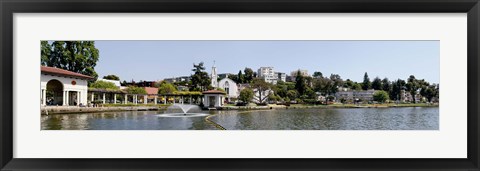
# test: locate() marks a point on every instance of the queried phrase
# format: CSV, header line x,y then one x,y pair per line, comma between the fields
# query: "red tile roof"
x,y
62,72
151,90
213,92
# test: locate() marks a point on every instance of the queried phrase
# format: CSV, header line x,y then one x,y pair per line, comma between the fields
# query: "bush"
x,y
299,100
262,104
246,95
310,101
380,96
103,85
136,90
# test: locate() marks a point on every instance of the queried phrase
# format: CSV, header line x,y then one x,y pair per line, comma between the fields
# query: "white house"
x,y
63,88
230,88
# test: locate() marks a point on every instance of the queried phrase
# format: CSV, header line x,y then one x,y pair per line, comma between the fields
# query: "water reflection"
x,y
128,120
408,118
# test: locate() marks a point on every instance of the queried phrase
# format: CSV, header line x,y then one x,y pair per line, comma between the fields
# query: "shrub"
x,y
246,95
380,96
103,85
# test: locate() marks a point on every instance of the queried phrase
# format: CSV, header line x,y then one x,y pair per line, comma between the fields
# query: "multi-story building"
x,y
354,95
268,74
281,76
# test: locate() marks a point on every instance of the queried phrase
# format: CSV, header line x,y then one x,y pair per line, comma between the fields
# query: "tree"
x,y
261,89
76,56
337,83
310,93
200,79
397,88
386,85
135,90
281,89
324,85
246,95
380,96
377,84
366,82
234,77
46,52
111,77
348,84
357,86
240,77
166,88
103,85
412,87
317,74
300,83
249,75
292,94
429,91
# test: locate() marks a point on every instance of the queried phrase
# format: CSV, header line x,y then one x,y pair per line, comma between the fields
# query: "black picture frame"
x,y
9,7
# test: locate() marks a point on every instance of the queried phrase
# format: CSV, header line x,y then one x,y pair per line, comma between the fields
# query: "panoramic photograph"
x,y
239,85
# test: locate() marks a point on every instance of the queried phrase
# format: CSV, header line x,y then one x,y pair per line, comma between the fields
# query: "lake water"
x,y
404,118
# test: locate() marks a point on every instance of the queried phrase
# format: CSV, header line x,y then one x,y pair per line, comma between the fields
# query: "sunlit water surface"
x,y
405,118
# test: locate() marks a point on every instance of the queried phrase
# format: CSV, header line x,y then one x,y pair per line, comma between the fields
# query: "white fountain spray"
x,y
173,111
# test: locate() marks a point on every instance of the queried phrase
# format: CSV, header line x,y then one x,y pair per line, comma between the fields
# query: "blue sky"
x,y
155,60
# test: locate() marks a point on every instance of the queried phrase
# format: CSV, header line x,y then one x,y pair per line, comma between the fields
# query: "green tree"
x,y
166,88
200,78
240,77
103,85
249,75
377,84
111,77
292,94
76,56
233,77
300,83
310,93
430,92
246,95
357,86
412,87
337,83
135,90
380,96
317,74
261,89
386,85
366,82
324,85
281,89
348,84
46,52
397,88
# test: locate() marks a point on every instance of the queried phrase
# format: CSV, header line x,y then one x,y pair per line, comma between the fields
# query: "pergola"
x,y
110,96
192,96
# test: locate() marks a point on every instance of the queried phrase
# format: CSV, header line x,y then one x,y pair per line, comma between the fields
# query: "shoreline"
x,y
46,110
